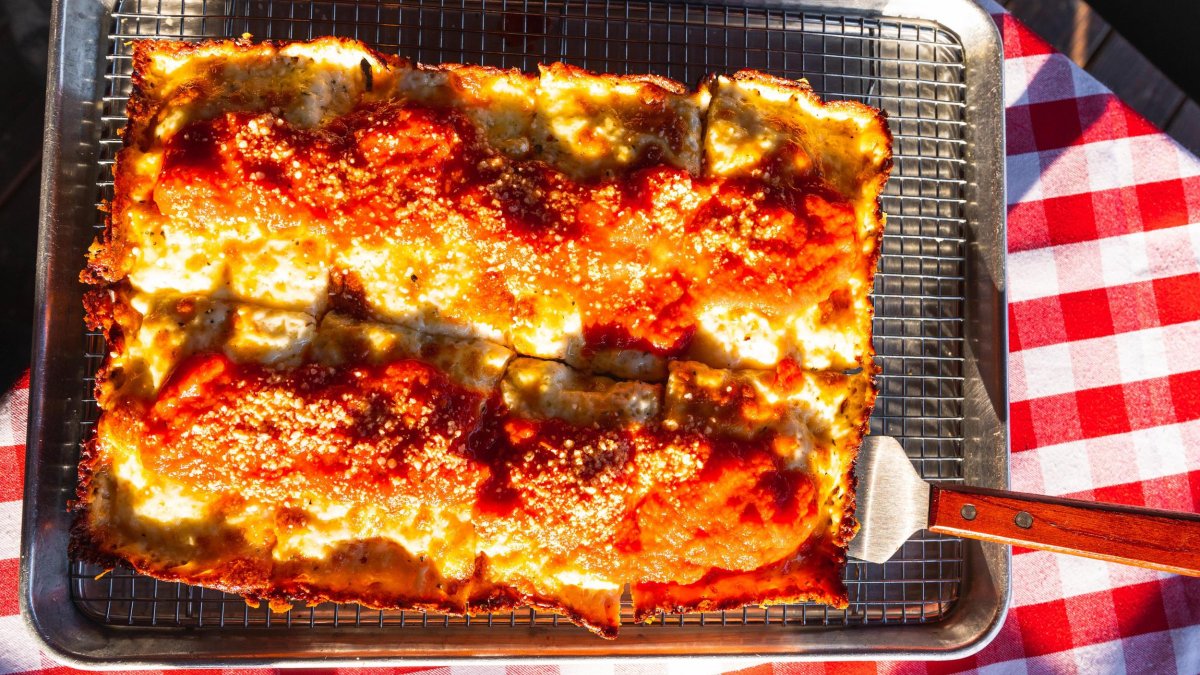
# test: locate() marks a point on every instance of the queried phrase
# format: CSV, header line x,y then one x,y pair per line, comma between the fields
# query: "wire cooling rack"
x,y
911,69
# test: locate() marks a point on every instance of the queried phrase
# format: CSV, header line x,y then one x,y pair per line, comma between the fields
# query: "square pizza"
x,y
464,339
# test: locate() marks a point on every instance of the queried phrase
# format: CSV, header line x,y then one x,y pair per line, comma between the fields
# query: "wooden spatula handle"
x,y
1161,540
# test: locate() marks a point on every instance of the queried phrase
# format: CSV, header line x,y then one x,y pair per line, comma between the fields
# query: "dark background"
x,y
1163,30
23,29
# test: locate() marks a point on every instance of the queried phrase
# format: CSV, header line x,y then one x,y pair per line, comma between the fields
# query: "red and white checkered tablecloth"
x,y
1104,291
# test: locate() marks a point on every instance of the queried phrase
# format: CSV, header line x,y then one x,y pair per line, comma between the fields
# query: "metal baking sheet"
x,y
939,326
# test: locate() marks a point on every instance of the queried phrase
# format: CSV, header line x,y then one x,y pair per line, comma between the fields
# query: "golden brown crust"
x,y
264,329
805,576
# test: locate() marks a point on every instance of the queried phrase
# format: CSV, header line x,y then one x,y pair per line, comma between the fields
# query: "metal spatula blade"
x,y
894,502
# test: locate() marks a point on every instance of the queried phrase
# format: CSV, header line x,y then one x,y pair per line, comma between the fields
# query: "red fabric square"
x,y
768,669
1185,395
1148,403
950,667
1086,314
1181,597
1036,323
1102,117
1055,123
1102,411
1162,204
1045,628
1116,212
1027,226
9,572
1141,608
13,477
1019,40
1135,123
1191,189
1092,618
1007,645
1171,493
1177,299
1018,131
1053,420
1071,219
1130,494
1020,426
1014,336
1133,306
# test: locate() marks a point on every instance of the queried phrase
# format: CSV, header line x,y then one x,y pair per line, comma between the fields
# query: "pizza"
x,y
463,339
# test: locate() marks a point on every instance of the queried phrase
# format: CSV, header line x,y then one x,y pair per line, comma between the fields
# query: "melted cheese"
x,y
424,289
176,258
476,364
286,269
309,84
268,336
541,389
593,125
499,102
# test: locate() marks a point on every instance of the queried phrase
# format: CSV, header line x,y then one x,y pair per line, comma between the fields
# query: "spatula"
x,y
894,502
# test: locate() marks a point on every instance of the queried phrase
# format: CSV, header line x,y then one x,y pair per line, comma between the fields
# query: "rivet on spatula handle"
x,y
1161,540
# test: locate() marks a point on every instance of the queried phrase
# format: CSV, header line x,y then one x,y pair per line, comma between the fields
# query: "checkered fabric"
x,y
1104,291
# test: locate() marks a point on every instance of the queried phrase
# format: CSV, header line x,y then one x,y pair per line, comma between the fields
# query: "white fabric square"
x,y
1112,459
1124,259
1095,363
1120,576
8,433
1153,158
1067,171
1182,340
1080,576
1188,164
1024,177
1032,274
1105,657
1187,648
1053,80
20,649
1004,668
10,529
1019,72
1170,252
1045,371
1065,468
1035,585
1113,165
1085,84
1025,471
1078,266
1057,663
1141,354
1150,652
1193,232
1158,452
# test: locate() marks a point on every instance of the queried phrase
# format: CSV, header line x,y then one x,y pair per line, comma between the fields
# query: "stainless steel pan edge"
x,y
68,175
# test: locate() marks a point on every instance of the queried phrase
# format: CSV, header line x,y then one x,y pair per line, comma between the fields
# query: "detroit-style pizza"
x,y
465,339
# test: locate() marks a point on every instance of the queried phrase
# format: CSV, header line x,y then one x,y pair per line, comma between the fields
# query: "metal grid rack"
x,y
911,69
